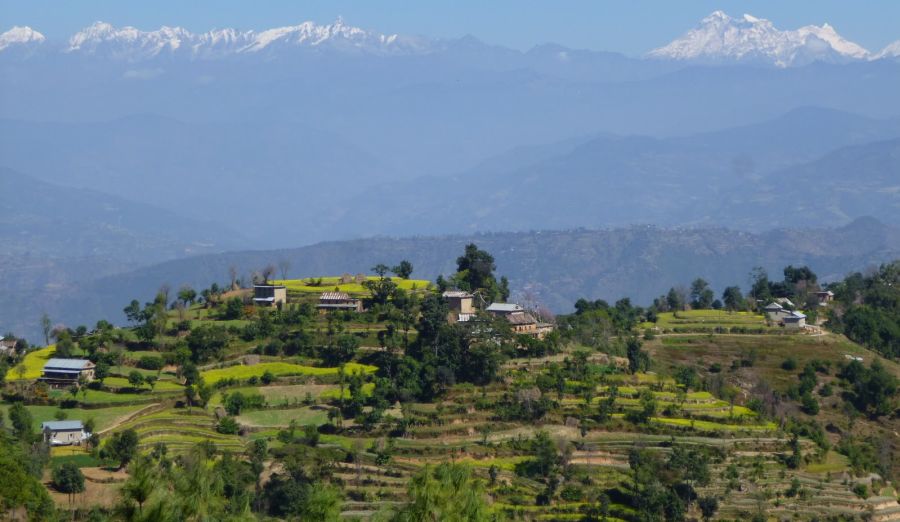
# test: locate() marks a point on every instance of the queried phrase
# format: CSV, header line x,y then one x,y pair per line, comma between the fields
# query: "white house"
x,y
64,433
794,321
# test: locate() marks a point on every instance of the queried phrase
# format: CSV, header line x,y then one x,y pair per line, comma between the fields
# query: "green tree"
x,y
141,483
19,487
447,493
674,299
475,272
121,447
403,270
21,421
701,294
135,379
234,309
46,326
65,346
708,507
187,295
67,478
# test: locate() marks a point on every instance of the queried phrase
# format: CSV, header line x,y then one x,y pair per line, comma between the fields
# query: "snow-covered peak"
x,y
133,44
891,51
128,42
720,38
20,36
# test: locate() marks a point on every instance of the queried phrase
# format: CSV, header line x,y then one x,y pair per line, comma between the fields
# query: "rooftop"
x,y
505,307
334,296
66,425
67,364
456,294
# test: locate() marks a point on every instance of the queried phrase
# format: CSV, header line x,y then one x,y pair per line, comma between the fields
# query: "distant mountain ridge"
x,y
718,38
721,38
810,167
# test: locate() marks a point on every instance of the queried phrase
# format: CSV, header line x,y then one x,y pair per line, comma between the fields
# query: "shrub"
x,y
228,426
150,362
789,364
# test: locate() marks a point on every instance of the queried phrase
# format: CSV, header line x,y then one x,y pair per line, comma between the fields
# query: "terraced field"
x,y
330,284
180,430
279,369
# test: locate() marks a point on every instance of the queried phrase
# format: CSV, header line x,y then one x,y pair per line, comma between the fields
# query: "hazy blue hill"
x,y
42,219
248,176
737,177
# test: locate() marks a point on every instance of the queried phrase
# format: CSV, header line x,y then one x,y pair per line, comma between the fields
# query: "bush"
x,y
789,364
150,362
228,426
571,493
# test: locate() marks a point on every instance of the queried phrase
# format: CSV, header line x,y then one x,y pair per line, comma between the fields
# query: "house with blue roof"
x,y
64,433
67,371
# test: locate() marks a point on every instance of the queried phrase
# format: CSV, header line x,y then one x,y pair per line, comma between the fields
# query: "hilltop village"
x,y
383,397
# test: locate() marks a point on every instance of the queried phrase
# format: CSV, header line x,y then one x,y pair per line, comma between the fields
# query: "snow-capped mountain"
x,y
20,37
133,44
892,50
721,39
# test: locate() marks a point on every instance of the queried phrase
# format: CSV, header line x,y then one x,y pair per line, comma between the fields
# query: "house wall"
x,y
66,437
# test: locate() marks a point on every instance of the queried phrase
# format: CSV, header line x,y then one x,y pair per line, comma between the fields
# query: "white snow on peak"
x,y
720,38
133,44
892,50
20,36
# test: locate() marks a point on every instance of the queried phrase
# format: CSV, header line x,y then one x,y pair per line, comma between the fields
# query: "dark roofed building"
x,y
269,295
521,321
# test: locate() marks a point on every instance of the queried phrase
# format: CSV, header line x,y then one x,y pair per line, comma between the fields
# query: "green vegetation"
x,y
695,407
331,284
279,369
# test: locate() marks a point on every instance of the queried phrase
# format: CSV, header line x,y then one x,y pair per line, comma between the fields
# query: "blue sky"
x,y
632,26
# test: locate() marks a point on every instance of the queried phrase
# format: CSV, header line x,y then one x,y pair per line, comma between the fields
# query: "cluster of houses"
x,y
61,373
462,309
461,304
276,295
783,312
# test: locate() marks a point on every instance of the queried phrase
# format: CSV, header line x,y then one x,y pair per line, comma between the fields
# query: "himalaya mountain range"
x,y
718,37
128,147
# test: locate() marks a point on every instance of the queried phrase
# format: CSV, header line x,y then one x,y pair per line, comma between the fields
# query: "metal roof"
x,y
457,294
520,319
66,425
67,364
773,306
505,307
334,296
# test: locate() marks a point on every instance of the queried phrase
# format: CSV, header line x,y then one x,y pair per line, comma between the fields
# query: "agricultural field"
x,y
280,369
330,284
712,320
33,364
